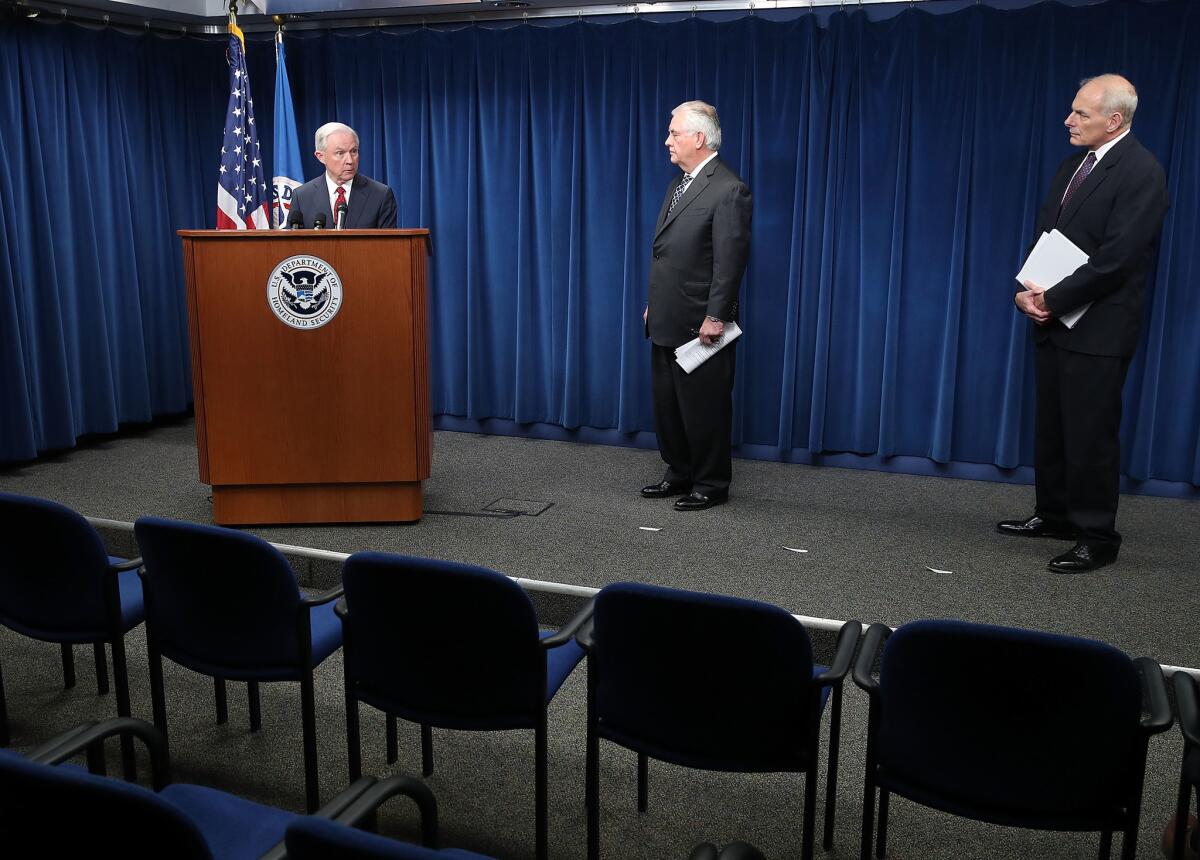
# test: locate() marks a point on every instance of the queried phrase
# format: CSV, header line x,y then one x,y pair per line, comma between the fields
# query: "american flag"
x,y
242,193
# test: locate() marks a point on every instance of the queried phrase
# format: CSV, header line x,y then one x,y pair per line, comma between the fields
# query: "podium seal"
x,y
304,292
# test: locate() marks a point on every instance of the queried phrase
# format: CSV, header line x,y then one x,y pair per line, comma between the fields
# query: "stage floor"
x,y
876,546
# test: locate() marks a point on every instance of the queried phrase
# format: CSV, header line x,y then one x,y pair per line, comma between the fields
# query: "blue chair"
x,y
709,682
58,584
1187,700
226,604
449,645
64,811
1012,727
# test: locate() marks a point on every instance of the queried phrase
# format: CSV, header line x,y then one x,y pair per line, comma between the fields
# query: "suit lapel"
x,y
694,190
359,192
1095,179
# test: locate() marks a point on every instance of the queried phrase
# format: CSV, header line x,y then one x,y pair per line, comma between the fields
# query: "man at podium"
x,y
341,197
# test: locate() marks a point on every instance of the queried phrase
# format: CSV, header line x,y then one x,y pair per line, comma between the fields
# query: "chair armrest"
x,y
43,752
847,641
331,810
375,795
76,741
132,564
1155,687
584,636
564,634
876,634
1189,709
324,597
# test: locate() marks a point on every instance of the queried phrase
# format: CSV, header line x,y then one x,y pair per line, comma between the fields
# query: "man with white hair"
x,y
368,203
701,247
1109,199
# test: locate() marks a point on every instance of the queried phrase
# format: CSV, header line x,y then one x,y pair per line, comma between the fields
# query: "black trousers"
x,y
693,417
1077,453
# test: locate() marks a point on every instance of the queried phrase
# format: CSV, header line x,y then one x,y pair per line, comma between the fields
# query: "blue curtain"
x,y
896,166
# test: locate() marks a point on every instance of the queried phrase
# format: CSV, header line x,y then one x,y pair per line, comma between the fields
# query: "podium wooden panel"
x,y
329,424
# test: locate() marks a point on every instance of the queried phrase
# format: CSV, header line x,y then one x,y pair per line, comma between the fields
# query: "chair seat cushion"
x,y
233,828
326,631
133,604
560,662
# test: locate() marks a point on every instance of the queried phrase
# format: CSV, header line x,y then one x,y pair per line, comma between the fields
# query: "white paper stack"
x,y
694,353
1052,259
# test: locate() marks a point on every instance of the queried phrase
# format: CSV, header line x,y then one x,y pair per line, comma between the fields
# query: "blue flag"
x,y
288,171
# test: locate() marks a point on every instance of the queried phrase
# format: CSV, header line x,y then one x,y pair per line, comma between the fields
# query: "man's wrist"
x,y
715,319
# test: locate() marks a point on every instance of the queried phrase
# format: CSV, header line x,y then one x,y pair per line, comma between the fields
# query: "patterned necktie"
x,y
341,200
679,191
1080,175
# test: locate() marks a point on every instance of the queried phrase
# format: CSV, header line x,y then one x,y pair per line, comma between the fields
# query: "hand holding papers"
x,y
1052,259
694,353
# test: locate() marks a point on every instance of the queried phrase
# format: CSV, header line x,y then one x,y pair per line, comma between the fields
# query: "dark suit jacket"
x,y
699,255
1114,217
372,203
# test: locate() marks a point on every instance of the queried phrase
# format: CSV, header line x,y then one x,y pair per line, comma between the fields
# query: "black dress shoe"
x,y
665,489
1035,526
1081,558
696,501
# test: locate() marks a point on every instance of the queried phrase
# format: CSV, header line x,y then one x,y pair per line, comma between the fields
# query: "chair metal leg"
x,y
101,668
808,837
426,750
157,695
308,715
121,681
643,781
68,663
1105,845
866,837
1182,807
393,744
222,701
541,827
255,705
353,737
591,792
835,740
5,737
881,832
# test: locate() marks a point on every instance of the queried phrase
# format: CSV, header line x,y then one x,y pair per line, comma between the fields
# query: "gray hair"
x,y
1119,96
702,117
329,128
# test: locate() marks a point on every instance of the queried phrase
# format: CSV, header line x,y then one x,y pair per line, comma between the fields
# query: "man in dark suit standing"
x,y
701,246
1109,199
369,203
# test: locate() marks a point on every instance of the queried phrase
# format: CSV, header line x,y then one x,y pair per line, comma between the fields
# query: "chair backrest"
x,y
60,811
441,638
702,680
321,839
1012,723
52,567
217,597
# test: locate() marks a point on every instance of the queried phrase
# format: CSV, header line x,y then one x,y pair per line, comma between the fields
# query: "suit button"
x,y
656,256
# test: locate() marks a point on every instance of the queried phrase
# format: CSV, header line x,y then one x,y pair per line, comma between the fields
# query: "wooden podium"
x,y
312,406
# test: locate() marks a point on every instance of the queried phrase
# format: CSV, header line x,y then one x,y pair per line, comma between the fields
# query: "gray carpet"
x,y
870,539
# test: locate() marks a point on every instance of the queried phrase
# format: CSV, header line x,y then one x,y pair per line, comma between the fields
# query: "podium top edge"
x,y
307,235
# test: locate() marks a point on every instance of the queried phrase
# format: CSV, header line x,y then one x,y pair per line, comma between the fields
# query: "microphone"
x,y
295,220
340,216
319,221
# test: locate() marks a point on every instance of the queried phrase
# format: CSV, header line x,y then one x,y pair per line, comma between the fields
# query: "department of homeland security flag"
x,y
241,190
289,174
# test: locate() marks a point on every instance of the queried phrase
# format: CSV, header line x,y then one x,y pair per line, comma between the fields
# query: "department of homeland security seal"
x,y
304,292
